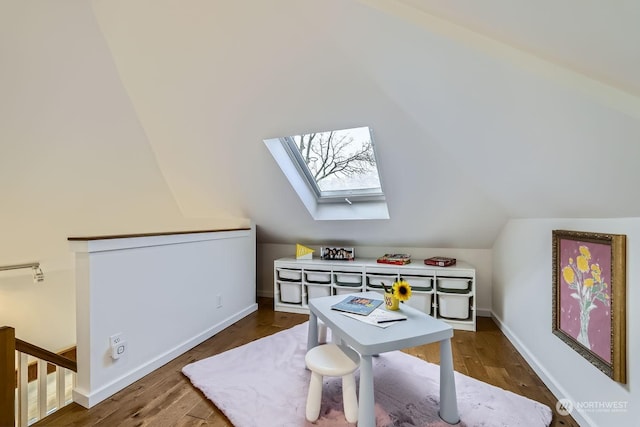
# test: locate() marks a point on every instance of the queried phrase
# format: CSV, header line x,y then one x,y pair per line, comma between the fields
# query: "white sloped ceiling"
x,y
470,131
595,38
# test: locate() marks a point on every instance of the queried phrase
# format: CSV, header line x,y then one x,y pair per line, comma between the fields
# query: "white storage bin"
x,y
342,290
291,293
454,306
419,282
420,301
454,283
376,280
349,278
315,291
290,275
317,276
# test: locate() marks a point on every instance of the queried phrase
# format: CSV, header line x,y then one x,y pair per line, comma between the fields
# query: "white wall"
x,y
161,293
74,160
522,303
479,258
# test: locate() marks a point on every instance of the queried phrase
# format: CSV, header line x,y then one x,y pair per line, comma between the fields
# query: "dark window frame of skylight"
x,y
349,196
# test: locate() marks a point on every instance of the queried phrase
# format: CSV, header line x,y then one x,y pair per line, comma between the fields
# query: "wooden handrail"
x,y
47,355
9,344
162,233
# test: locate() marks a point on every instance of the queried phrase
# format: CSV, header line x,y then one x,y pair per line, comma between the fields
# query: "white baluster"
x,y
42,388
60,384
23,390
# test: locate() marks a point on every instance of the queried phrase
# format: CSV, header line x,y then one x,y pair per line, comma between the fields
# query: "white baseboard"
x,y
558,391
89,399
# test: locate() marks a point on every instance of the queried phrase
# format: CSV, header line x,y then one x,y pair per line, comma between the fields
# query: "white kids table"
x,y
370,340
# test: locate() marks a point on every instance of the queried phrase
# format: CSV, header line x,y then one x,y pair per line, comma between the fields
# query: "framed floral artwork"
x,y
589,297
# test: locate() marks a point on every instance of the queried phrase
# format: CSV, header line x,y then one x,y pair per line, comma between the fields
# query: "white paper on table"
x,y
379,317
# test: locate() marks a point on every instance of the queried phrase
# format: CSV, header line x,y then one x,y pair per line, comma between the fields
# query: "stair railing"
x,y
12,409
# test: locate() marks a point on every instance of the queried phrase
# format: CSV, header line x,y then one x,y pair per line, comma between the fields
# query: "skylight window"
x,y
335,173
338,165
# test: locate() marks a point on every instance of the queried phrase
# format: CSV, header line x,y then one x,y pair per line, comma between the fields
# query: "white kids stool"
x,y
332,361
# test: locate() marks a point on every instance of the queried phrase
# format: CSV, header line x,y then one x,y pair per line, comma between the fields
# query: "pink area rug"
x,y
264,383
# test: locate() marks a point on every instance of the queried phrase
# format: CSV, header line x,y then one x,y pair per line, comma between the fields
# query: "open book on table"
x,y
357,305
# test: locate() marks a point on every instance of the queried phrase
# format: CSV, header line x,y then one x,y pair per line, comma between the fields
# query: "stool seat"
x,y
329,360
332,360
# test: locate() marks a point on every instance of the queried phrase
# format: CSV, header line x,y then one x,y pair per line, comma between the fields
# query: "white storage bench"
x,y
447,293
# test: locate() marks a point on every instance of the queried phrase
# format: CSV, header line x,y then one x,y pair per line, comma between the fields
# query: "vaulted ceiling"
x,y
482,111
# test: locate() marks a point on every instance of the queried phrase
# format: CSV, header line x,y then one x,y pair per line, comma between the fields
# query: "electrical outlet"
x,y
115,339
219,301
118,349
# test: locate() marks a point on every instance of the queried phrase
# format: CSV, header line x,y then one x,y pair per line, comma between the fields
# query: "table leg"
x,y
448,399
312,333
366,404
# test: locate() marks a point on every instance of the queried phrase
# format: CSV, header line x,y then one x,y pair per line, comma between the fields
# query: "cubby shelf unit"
x,y
447,293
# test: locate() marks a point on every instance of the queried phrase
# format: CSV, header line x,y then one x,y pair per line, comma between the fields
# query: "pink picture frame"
x,y
589,297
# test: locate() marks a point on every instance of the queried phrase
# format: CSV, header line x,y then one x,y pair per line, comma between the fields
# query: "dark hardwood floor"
x,y
166,397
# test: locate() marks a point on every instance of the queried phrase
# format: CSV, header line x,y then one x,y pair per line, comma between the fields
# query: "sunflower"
x,y
401,290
